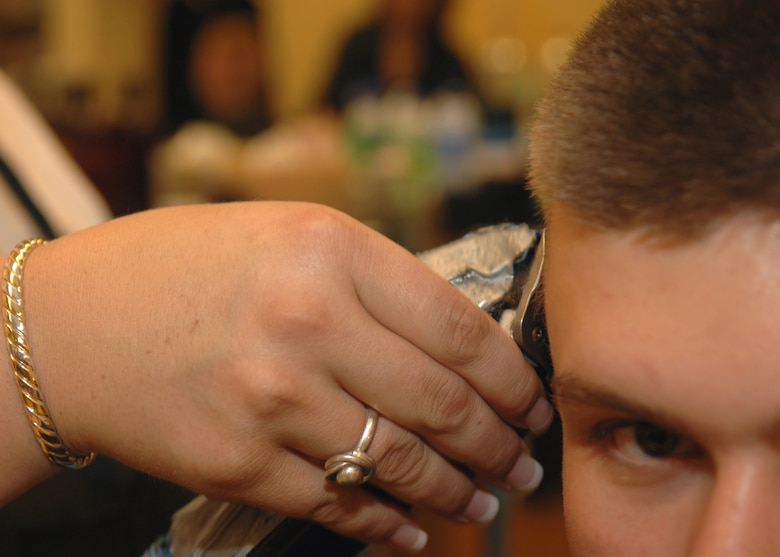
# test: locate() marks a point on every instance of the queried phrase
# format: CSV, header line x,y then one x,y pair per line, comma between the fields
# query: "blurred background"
x,y
410,115
108,75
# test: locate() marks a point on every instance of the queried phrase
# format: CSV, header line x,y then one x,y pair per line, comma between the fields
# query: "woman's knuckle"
x,y
404,461
450,404
498,462
329,511
467,329
317,225
521,394
275,393
292,317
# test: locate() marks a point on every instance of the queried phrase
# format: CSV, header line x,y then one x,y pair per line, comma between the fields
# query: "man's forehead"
x,y
596,266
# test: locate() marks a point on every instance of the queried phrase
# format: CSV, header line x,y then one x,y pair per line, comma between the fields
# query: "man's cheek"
x,y
589,526
604,519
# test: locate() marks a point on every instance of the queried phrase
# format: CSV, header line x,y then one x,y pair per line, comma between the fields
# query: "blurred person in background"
x,y
403,48
214,65
220,142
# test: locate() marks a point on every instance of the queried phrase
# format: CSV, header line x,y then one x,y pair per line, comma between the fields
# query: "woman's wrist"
x,y
21,360
22,463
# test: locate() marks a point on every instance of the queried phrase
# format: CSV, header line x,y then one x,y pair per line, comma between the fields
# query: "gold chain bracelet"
x,y
37,412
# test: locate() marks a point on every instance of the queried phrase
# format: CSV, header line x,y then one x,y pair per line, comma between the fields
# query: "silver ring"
x,y
355,467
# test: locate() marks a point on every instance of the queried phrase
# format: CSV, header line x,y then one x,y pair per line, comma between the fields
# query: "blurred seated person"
x,y
214,66
220,144
403,48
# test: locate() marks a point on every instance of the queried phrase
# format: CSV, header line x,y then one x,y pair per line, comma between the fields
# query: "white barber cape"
x,y
60,190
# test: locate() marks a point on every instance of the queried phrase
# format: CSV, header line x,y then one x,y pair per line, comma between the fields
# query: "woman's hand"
x,y
233,349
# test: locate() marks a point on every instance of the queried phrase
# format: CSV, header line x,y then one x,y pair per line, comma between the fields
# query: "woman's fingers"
x,y
414,303
374,366
407,467
354,512
414,473
407,470
421,395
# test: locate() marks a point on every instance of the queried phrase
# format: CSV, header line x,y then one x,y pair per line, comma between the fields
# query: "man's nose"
x,y
740,518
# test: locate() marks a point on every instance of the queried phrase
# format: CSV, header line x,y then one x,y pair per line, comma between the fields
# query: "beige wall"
x,y
108,42
305,35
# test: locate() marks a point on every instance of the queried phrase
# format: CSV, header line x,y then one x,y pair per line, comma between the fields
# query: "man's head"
x,y
656,159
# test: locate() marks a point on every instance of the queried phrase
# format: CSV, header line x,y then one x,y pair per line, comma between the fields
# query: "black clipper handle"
x,y
300,538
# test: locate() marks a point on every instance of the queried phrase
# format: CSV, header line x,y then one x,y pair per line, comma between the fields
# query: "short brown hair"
x,y
665,118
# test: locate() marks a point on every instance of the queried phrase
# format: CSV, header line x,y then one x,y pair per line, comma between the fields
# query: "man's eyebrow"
x,y
574,389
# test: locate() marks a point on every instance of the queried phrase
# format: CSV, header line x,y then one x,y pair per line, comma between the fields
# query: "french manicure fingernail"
x,y
410,538
482,508
526,475
540,416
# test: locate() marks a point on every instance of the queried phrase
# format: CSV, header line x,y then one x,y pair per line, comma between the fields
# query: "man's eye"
x,y
643,442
